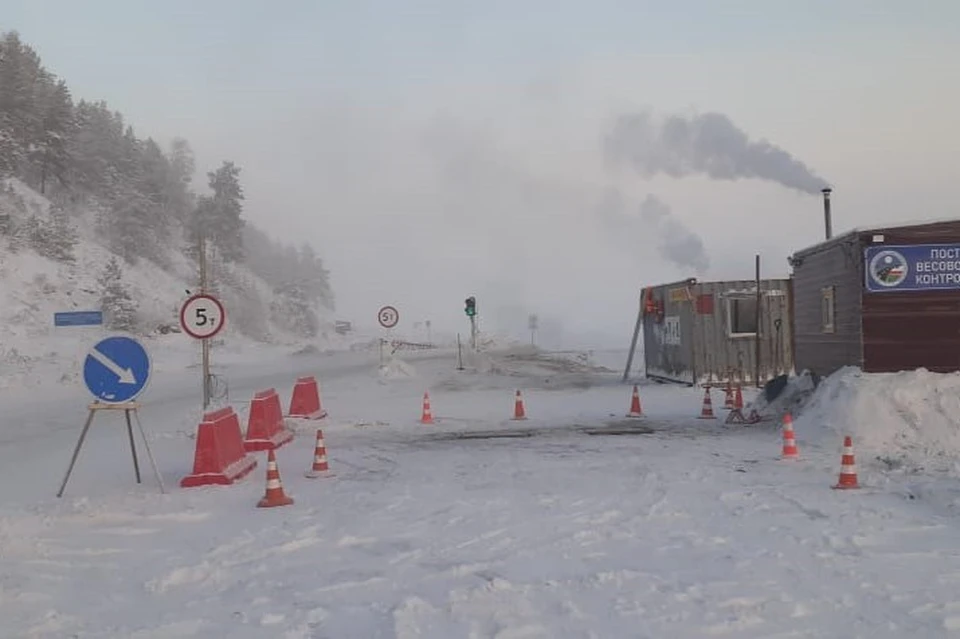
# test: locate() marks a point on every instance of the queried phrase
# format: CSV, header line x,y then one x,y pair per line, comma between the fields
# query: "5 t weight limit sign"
x,y
202,316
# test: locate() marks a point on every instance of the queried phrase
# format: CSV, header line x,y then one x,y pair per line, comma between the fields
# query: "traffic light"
x,y
471,306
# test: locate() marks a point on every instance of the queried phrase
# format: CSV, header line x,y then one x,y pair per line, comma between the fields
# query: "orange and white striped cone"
x,y
635,409
728,403
427,416
519,412
274,495
790,450
707,410
848,467
320,466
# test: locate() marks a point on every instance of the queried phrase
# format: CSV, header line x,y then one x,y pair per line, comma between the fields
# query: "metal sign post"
x,y
532,325
388,317
116,371
202,317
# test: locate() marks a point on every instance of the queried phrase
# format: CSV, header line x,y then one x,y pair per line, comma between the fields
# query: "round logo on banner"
x,y
888,268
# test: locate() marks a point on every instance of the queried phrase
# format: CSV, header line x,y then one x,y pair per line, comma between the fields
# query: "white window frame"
x,y
728,301
828,309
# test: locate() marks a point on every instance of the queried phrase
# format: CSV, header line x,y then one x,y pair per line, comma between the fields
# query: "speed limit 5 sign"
x,y
202,316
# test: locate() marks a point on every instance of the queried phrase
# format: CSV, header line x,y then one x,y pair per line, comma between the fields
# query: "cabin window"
x,y
742,316
827,310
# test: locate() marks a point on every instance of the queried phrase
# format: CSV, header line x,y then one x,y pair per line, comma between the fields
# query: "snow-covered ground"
x,y
694,530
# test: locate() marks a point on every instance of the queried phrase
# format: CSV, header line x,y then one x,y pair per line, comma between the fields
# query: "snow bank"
x,y
908,419
395,368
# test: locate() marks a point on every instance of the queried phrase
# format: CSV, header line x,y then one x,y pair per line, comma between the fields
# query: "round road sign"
x,y
202,316
388,316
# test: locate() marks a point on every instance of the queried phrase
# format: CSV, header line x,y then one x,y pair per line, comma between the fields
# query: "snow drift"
x,y
908,420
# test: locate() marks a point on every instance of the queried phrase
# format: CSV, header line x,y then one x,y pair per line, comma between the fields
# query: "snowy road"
x,y
691,531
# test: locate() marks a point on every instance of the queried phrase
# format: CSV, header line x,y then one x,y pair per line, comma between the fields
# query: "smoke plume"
x,y
675,242
709,144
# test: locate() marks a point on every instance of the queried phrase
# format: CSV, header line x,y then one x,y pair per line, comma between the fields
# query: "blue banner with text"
x,y
920,267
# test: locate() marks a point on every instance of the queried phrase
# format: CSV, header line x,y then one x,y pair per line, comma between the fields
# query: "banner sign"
x,y
919,267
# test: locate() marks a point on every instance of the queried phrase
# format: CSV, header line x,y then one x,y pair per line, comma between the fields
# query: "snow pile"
x,y
395,368
791,399
909,419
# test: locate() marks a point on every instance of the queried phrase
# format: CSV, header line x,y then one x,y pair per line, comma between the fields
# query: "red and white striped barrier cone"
x,y
274,495
427,416
707,410
728,403
519,412
635,409
320,466
790,450
848,467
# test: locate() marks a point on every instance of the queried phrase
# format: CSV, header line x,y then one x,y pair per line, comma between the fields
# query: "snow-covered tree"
x,y
50,154
119,308
222,221
61,235
291,310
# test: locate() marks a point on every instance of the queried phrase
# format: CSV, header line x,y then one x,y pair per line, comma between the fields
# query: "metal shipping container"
x,y
706,332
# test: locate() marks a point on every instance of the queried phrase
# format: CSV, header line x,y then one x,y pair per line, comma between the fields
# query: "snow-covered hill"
x,y
34,287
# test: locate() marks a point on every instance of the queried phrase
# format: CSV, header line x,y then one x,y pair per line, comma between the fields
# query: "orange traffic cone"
x,y
427,417
848,467
320,466
728,398
519,412
635,409
274,495
789,443
707,411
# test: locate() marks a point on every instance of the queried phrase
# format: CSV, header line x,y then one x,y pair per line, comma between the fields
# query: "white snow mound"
x,y
908,419
397,369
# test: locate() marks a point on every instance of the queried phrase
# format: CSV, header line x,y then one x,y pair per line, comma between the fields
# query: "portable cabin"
x,y
885,299
707,332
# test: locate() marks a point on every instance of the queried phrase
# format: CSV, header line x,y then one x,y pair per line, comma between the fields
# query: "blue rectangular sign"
x,y
78,318
919,267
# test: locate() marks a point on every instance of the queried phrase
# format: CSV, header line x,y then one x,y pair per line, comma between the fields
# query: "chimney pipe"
x,y
827,222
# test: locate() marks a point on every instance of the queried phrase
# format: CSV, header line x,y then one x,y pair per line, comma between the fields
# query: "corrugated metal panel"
x,y
667,343
834,268
725,346
906,331
912,329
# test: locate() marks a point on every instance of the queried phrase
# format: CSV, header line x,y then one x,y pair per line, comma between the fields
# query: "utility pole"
x,y
204,343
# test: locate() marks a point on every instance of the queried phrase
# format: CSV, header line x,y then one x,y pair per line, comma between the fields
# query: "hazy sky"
x,y
432,150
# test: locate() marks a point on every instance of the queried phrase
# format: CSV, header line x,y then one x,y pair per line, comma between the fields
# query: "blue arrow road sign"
x,y
116,369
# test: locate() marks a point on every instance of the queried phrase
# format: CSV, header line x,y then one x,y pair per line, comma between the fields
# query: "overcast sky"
x,y
432,150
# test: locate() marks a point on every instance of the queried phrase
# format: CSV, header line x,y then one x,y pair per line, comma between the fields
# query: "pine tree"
x,y
50,154
119,308
179,178
222,221
62,235
291,309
